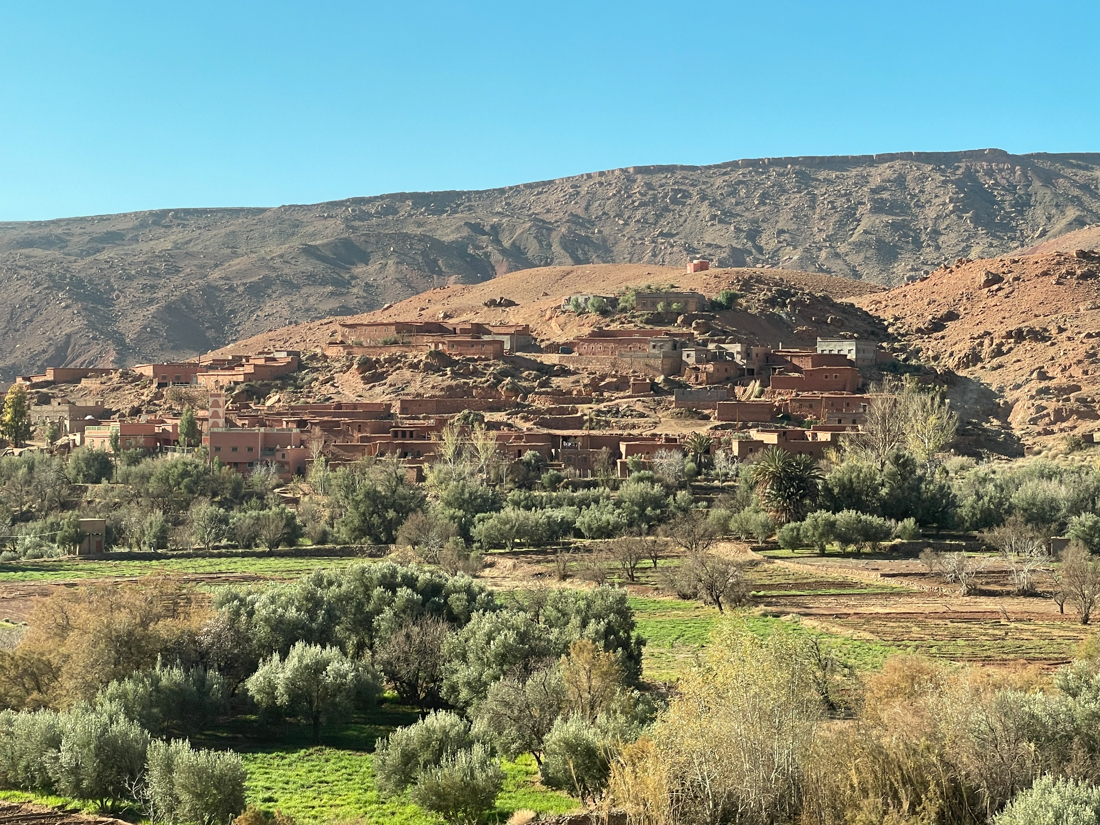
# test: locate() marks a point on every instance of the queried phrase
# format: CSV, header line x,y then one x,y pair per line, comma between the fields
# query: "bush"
x,y
511,526
88,466
790,536
578,754
463,788
1085,528
402,756
27,741
907,530
312,683
184,786
752,523
167,698
601,521
1053,801
100,759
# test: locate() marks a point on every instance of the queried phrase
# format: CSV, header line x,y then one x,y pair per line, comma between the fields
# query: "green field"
x,y
70,569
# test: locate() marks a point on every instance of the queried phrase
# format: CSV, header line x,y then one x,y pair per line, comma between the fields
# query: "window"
x,y
217,449
233,449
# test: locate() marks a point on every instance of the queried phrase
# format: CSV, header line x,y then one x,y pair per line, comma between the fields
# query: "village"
x,y
804,400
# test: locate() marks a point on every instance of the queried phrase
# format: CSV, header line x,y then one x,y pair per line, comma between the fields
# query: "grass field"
x,y
69,569
334,781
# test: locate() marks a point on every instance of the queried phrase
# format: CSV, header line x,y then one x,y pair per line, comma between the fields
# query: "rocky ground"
x,y
1021,332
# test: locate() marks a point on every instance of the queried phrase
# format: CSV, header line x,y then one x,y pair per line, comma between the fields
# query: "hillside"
x,y
1021,331
538,293
119,289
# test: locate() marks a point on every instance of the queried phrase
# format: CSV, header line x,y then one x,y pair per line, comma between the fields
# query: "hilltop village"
x,y
606,401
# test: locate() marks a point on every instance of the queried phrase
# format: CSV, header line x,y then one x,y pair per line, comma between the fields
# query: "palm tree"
x,y
788,485
698,446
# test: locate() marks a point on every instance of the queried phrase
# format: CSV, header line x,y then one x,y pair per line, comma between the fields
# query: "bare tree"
x,y
427,534
1080,576
930,423
717,580
692,531
932,560
963,570
902,414
668,465
1024,550
628,553
883,428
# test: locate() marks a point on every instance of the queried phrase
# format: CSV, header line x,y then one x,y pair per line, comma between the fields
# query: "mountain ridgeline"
x,y
119,289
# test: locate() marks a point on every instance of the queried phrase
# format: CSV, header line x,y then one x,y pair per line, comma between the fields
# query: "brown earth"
x,y
1021,332
161,285
27,813
770,315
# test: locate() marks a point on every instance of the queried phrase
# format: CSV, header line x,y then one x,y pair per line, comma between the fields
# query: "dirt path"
x,y
14,813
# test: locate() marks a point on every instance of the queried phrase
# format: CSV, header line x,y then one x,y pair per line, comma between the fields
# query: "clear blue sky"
x,y
112,106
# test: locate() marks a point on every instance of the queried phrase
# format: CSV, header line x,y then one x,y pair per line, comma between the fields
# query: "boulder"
x,y
988,279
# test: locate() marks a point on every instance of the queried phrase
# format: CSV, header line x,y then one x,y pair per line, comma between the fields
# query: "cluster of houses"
x,y
801,400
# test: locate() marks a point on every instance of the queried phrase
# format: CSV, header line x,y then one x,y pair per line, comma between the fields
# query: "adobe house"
x,y
132,435
698,265
813,442
819,379
749,412
70,418
829,408
687,301
461,346
164,375
714,372
93,533
244,449
860,352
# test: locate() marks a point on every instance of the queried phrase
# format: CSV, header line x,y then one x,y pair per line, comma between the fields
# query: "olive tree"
x,y
311,682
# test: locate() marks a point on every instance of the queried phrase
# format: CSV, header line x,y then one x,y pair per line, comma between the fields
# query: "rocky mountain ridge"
x,y
158,285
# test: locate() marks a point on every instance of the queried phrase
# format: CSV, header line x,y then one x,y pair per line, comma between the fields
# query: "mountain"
x,y
120,289
1016,336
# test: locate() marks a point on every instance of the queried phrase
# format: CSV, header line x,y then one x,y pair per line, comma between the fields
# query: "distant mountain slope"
x,y
119,289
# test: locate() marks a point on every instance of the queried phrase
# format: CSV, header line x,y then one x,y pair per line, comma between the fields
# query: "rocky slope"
x,y
119,289
777,305
1022,332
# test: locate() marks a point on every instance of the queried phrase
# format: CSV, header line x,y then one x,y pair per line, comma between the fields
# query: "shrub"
x,y
1053,801
402,756
184,786
601,521
88,466
517,714
790,536
312,682
578,754
463,788
27,741
167,698
100,759
907,530
1085,528
752,523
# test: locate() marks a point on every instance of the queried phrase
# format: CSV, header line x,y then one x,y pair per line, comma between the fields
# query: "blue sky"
x,y
111,106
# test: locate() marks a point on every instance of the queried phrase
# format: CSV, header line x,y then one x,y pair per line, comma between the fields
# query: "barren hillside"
x,y
778,305
118,289
1025,327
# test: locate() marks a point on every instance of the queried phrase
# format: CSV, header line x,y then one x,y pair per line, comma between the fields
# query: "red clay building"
x,y
245,449
818,379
